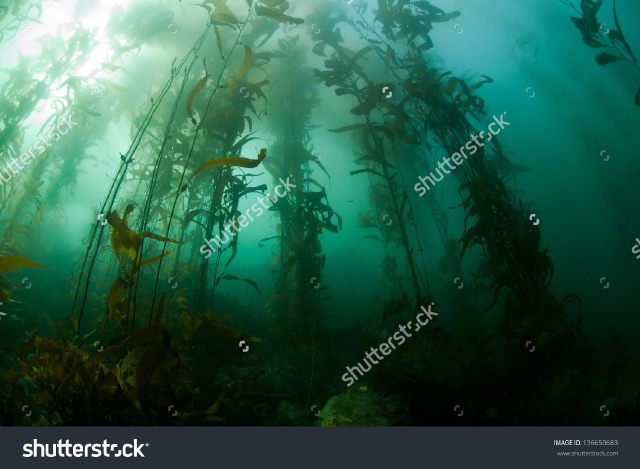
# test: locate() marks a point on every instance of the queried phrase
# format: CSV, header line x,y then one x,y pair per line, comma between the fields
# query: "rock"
x,y
289,413
361,407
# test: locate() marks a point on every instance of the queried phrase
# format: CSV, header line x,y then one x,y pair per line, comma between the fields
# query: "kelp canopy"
x,y
231,217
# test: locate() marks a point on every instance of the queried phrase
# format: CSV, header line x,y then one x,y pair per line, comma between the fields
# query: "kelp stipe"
x,y
113,191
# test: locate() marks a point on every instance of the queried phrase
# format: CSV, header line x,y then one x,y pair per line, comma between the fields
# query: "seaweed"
x,y
143,325
594,36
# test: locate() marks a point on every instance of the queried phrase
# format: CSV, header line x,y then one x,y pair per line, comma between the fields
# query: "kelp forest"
x,y
229,213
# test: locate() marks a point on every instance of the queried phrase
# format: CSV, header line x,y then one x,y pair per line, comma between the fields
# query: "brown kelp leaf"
x,y
443,18
426,45
126,241
135,353
314,182
114,293
638,98
266,239
41,397
479,84
218,40
358,55
365,107
162,214
243,68
128,209
366,220
214,407
205,6
369,237
249,281
367,170
141,335
15,262
275,3
222,20
385,14
451,86
277,15
387,57
234,251
223,13
219,192
319,48
615,35
327,225
123,239
148,234
347,128
158,319
591,42
444,75
74,322
194,92
153,259
188,218
232,161
620,36
605,58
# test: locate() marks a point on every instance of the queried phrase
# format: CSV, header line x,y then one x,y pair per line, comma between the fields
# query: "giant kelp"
x,y
303,213
443,107
593,35
389,200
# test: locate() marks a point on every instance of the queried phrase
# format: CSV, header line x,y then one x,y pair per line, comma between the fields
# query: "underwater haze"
x,y
319,213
